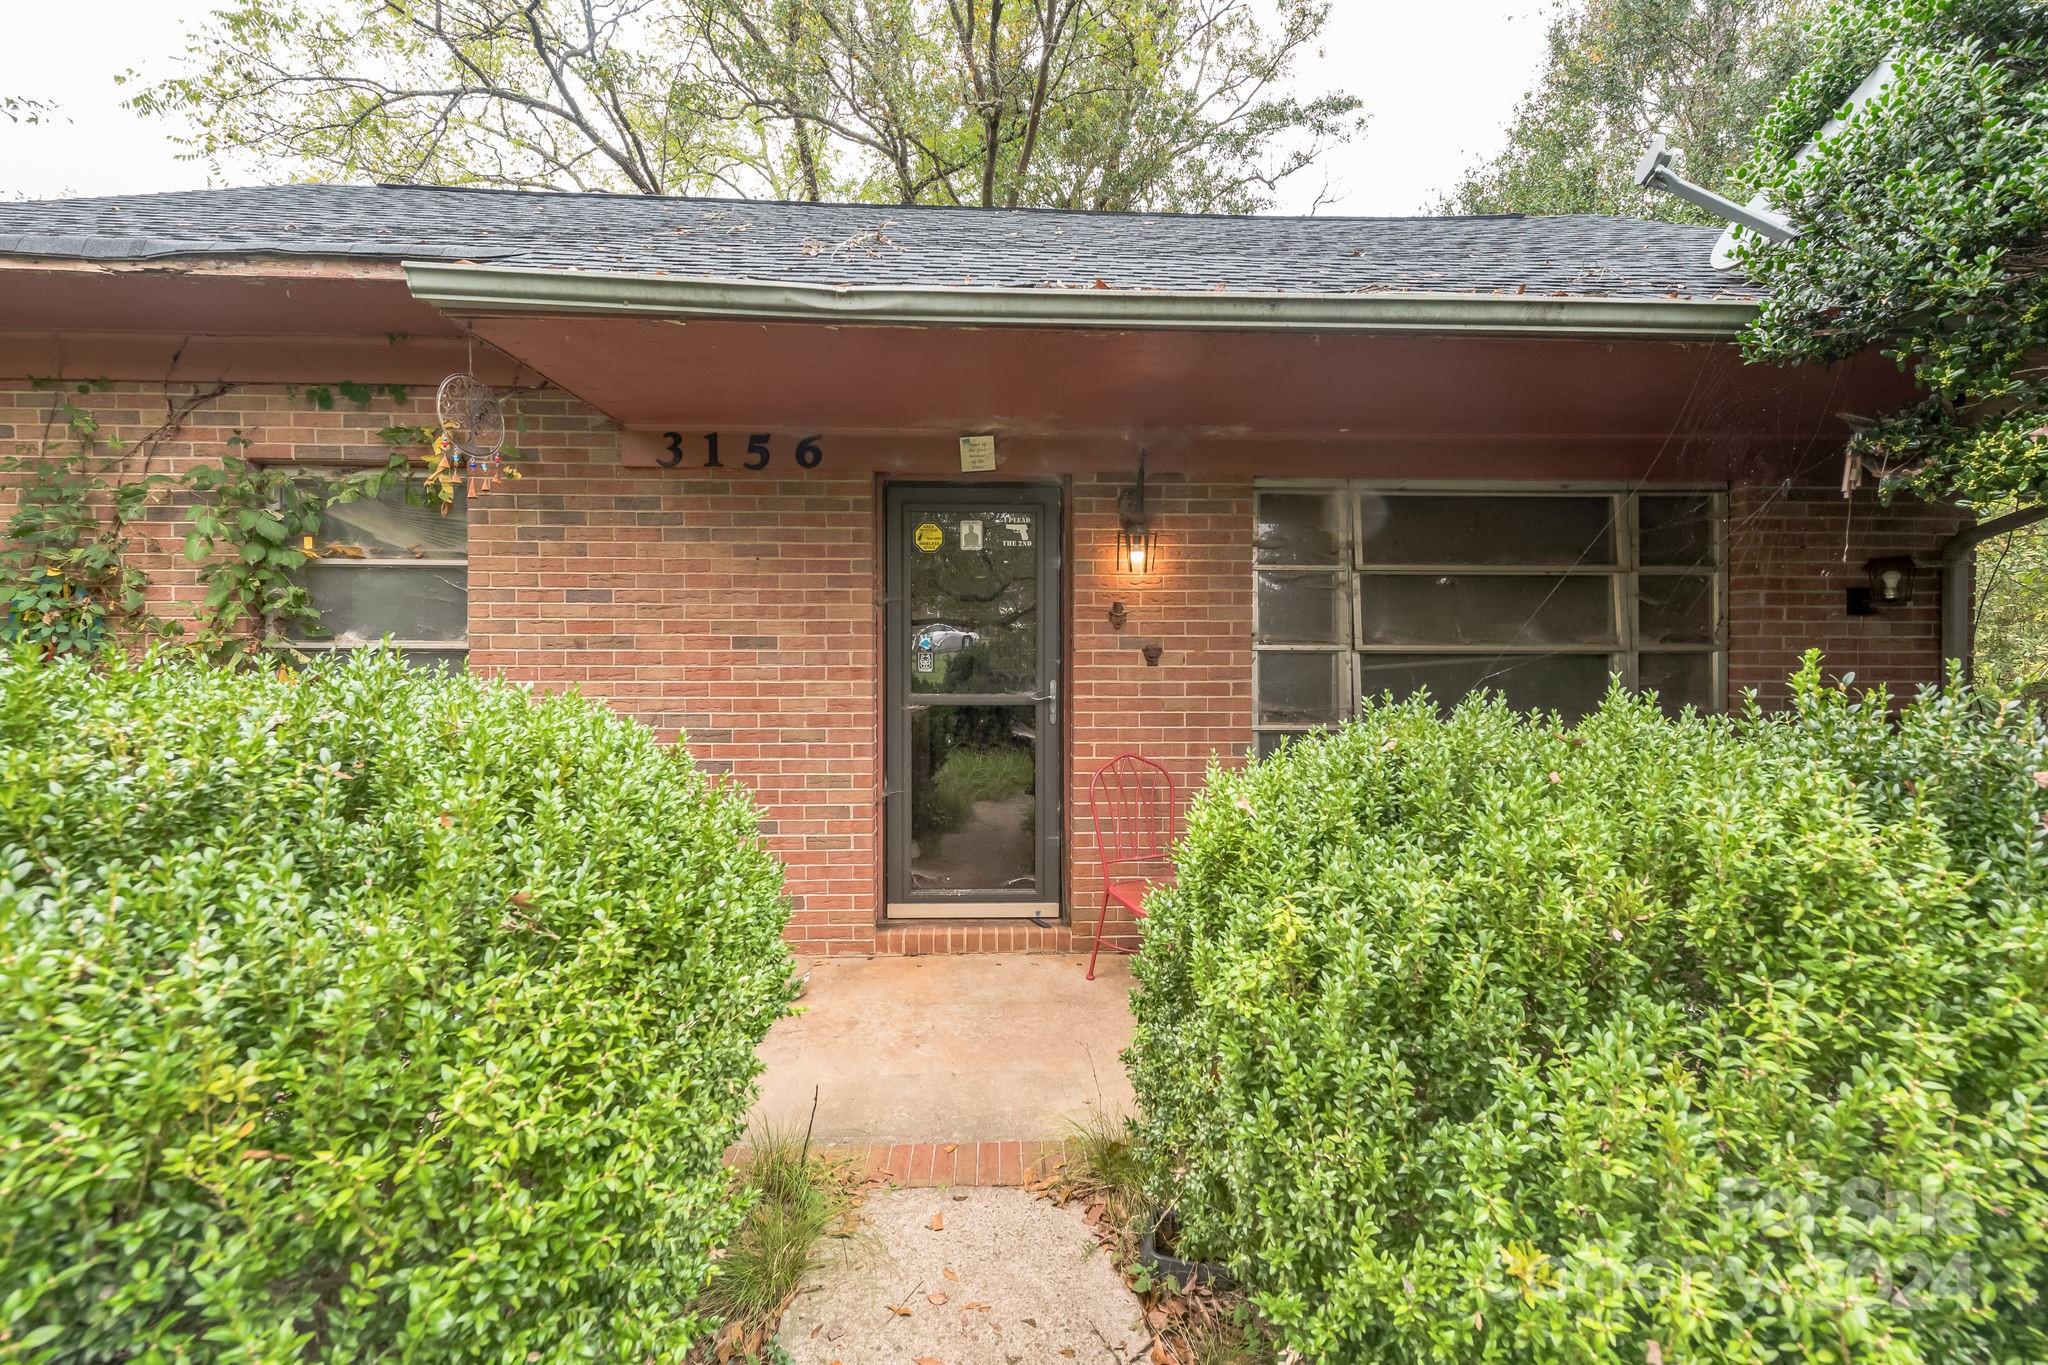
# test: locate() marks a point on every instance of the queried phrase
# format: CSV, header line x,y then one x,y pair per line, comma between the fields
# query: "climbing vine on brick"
x,y
68,582
269,518
66,577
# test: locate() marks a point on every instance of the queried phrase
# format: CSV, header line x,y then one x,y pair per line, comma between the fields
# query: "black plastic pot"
x,y
1183,1272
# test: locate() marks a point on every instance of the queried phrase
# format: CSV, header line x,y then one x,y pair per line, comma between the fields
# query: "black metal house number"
x,y
807,453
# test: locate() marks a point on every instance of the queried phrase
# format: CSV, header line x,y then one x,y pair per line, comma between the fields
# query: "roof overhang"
x,y
467,290
239,319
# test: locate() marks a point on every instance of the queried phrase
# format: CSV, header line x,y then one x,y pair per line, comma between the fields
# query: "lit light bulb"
x,y
1137,559
1892,579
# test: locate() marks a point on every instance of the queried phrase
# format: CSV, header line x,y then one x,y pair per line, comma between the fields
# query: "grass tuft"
x,y
1102,1163
1238,1339
797,1198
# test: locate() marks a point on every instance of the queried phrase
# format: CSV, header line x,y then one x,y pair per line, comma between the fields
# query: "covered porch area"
x,y
964,1070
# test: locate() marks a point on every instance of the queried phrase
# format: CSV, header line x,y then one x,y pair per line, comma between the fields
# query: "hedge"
x,y
361,1013
1479,1038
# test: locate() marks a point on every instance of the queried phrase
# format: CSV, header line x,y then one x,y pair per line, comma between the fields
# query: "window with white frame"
x,y
1540,595
391,565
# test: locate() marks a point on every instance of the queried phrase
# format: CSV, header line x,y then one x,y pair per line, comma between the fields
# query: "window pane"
x,y
1571,683
1675,610
1485,609
1679,680
1297,688
973,804
973,617
1297,528
1677,530
1299,609
1419,528
360,604
400,523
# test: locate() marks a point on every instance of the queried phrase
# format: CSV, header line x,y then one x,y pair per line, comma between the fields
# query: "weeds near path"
x,y
798,1199
1191,1324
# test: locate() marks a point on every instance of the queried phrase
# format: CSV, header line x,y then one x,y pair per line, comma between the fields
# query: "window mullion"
x,y
1354,601
1628,594
1406,623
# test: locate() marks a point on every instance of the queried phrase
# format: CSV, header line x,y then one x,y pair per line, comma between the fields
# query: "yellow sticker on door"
x,y
929,537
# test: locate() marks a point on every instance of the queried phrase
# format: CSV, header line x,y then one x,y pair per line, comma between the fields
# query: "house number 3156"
x,y
808,455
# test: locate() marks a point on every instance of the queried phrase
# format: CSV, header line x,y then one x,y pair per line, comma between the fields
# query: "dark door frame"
x,y
1049,499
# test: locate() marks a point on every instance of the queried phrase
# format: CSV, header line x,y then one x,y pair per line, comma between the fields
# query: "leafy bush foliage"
x,y
1718,1039
1923,227
364,1013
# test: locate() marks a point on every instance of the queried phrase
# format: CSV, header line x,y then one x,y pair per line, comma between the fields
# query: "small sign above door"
x,y
977,454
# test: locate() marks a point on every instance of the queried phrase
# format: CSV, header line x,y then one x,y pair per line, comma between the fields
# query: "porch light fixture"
x,y
1891,580
1136,542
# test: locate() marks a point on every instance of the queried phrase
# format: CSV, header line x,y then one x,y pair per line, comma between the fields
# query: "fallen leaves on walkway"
x,y
938,1223
936,1299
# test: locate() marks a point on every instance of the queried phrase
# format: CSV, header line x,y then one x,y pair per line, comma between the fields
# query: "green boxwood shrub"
x,y
1721,1039
364,1013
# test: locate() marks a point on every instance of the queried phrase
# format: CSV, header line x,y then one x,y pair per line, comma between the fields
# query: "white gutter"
x,y
480,289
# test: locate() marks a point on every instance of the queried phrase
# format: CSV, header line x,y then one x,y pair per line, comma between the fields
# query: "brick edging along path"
x,y
931,1164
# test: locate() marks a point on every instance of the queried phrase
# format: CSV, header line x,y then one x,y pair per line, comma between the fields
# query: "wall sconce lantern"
x,y
1136,542
1891,580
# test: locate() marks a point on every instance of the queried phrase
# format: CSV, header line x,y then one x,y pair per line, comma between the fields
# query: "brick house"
x,y
1243,473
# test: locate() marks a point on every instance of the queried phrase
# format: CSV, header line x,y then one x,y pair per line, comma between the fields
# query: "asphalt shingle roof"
x,y
874,244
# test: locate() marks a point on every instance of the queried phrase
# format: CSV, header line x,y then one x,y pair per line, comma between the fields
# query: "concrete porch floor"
x,y
949,1049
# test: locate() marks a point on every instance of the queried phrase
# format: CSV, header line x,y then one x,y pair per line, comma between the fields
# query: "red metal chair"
x,y
1132,802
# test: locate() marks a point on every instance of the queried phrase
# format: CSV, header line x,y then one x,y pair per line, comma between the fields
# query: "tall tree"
x,y
1700,73
1156,104
1922,222
1923,232
2012,612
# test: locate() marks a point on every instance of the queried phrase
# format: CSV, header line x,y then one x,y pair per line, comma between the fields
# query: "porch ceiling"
x,y
656,373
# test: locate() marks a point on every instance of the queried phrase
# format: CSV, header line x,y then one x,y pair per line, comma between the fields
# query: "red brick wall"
x,y
1794,549
731,608
1197,701
743,610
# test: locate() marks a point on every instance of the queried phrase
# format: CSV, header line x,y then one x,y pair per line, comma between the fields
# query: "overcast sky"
x,y
1439,79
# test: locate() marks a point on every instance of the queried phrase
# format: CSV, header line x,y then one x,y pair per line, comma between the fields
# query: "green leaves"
x,y
364,1013
264,513
1700,73
63,571
1924,233
1102,104
1718,1039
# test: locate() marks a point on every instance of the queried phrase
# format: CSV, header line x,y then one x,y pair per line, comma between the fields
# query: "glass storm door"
x,y
972,683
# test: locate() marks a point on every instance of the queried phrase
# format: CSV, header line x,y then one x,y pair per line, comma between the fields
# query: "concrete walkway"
x,y
967,1049
981,1277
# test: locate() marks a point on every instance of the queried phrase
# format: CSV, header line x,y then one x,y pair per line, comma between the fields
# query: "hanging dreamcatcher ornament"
x,y
470,444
